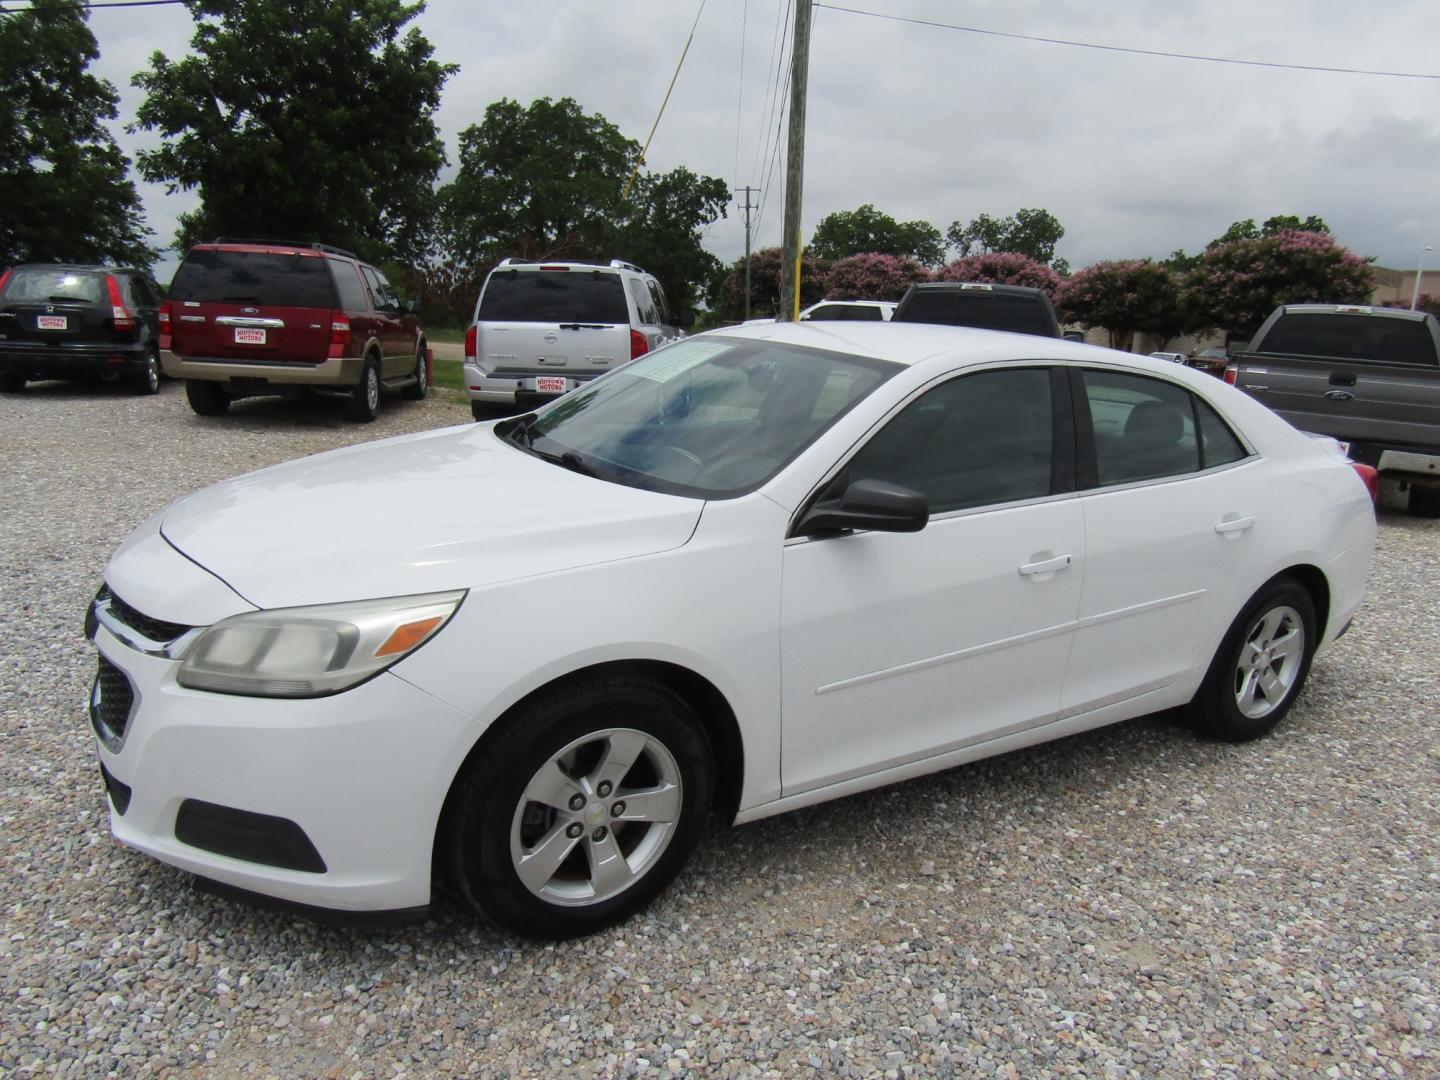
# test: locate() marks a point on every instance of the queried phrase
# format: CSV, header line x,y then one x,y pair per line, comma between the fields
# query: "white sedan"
x,y
752,571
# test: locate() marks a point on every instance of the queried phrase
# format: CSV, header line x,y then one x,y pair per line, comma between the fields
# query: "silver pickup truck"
x,y
1368,376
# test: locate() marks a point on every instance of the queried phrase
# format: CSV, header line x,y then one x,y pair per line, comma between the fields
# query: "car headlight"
x,y
312,651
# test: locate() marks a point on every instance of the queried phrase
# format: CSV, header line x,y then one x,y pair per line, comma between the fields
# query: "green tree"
x,y
1247,229
64,190
1238,283
548,180
1124,297
1029,232
303,119
765,284
867,231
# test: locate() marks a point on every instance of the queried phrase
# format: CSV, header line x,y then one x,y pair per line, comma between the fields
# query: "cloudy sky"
x,y
1136,155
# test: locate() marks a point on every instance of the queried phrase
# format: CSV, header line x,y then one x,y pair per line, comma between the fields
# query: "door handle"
x,y
1233,526
1045,566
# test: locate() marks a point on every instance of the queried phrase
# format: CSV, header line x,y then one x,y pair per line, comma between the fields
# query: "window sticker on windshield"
x,y
678,359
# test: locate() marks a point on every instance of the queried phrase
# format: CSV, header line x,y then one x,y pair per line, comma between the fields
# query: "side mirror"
x,y
876,505
685,320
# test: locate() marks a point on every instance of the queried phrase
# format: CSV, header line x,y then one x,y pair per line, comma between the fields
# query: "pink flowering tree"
x,y
1123,297
873,277
1237,283
765,284
1003,268
1427,302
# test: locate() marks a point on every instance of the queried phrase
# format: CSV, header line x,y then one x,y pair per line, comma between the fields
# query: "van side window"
x,y
662,309
644,306
348,286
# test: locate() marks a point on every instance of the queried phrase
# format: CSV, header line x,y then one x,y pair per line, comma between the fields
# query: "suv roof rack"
x,y
327,248
621,264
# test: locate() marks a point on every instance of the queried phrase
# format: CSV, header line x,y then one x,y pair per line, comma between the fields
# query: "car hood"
x,y
455,508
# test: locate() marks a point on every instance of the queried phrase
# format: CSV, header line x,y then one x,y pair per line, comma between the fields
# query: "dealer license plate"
x,y
247,336
550,384
51,322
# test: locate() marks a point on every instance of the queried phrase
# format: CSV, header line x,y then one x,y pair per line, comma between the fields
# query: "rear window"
x,y
50,286
554,296
988,311
254,277
1353,337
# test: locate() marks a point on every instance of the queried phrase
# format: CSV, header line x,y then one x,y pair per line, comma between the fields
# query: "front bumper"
x,y
36,361
338,371
362,775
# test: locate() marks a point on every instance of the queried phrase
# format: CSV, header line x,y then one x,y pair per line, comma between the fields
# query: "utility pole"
x,y
747,206
1419,273
795,167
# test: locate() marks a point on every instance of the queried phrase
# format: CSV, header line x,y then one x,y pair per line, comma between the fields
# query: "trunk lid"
x,y
54,305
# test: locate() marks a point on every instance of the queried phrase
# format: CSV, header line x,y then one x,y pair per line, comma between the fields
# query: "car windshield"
x,y
51,285
711,417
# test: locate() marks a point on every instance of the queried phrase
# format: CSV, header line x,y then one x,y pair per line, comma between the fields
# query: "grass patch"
x,y
448,337
450,373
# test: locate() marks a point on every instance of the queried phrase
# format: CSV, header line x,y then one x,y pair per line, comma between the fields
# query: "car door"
x,y
389,329
1175,516
900,646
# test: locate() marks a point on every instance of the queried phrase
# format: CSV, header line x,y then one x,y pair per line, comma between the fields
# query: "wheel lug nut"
x,y
574,830
577,802
617,809
599,834
603,789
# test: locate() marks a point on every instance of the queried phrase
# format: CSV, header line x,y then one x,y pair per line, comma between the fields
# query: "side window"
x,y
644,306
385,299
1218,444
1144,428
977,440
140,294
662,309
348,287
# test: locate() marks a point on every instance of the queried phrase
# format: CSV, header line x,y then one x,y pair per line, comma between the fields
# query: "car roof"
x,y
912,343
87,267
1352,309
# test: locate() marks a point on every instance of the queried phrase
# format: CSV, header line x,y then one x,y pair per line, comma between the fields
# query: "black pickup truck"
x,y
1367,376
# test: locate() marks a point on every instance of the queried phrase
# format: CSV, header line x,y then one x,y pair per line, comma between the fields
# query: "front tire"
x,y
363,406
207,398
1261,665
579,807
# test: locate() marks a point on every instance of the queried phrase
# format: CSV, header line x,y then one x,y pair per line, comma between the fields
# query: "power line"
x,y
1127,49
90,7
780,35
740,91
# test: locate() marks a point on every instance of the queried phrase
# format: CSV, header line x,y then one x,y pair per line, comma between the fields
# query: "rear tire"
x,y
10,383
579,807
1424,501
207,398
363,406
145,380
417,390
1261,665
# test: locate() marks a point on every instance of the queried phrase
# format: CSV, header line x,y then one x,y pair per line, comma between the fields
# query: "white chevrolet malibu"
x,y
750,572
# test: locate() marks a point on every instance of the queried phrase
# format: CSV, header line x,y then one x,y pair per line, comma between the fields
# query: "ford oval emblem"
x,y
249,311
1339,395
551,337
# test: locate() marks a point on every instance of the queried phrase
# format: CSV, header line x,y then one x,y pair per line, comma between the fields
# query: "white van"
x,y
542,329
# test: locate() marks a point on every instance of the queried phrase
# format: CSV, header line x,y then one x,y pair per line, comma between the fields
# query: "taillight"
x,y
471,336
339,334
3,279
638,345
1230,373
118,310
165,339
1370,476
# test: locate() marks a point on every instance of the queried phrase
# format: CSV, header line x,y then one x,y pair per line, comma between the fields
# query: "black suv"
x,y
61,321
1017,308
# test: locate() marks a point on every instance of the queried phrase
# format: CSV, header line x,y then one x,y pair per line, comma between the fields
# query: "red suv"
x,y
248,318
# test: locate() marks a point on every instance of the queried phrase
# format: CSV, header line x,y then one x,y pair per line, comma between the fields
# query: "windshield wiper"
x,y
519,430
585,325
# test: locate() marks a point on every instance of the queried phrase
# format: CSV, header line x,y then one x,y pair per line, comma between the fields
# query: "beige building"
x,y
1400,284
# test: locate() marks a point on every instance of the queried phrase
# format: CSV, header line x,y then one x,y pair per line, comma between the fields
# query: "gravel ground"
x,y
1133,902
